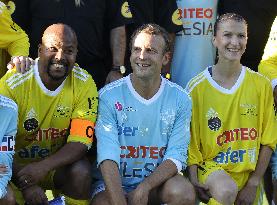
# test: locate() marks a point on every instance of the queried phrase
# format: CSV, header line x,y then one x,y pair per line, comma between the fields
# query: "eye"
x,y
227,34
69,51
151,51
51,49
241,36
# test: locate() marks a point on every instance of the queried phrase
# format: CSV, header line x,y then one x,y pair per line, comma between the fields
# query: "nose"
x,y
235,40
59,55
142,54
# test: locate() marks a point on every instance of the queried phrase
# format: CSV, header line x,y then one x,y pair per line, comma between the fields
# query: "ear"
x,y
214,41
39,48
166,58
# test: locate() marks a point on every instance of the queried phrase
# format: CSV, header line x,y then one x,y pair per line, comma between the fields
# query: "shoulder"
x,y
113,87
12,79
196,81
80,74
258,77
177,91
82,78
8,103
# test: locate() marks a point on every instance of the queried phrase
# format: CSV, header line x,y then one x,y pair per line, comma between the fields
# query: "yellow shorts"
x,y
46,184
208,167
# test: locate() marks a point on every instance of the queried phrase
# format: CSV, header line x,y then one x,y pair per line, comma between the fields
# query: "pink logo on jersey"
x,y
118,106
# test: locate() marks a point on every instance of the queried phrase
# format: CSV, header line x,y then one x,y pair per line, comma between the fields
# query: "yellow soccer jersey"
x,y
228,125
12,37
268,64
47,119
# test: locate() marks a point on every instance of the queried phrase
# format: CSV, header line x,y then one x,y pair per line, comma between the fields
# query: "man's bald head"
x,y
57,53
59,31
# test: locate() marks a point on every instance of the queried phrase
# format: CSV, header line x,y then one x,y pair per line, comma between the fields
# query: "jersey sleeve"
x,y
5,90
179,139
8,127
108,146
195,156
13,38
269,122
84,113
268,64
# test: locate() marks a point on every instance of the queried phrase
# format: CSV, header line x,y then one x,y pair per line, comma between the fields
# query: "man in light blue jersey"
x,y
8,127
143,130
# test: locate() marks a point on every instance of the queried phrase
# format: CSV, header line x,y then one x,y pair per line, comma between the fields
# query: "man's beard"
x,y
57,78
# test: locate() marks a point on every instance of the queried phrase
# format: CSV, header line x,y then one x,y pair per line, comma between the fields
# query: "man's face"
x,y
147,55
58,54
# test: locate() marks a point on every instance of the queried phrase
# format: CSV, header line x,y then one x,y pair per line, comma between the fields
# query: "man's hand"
x,y
35,195
139,195
247,194
31,174
113,76
22,63
202,191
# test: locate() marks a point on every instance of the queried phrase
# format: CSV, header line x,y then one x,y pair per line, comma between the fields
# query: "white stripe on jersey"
x,y
78,70
174,85
80,77
21,81
17,77
194,82
112,85
7,102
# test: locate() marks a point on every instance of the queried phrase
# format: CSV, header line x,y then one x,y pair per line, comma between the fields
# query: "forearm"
x,y
161,174
192,169
20,47
69,153
5,176
113,184
263,160
118,45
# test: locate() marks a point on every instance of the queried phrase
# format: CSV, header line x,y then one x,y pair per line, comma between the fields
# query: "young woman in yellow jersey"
x,y
232,124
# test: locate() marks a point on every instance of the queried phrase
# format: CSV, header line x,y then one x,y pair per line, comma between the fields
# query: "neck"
x,y
48,82
226,74
228,69
146,88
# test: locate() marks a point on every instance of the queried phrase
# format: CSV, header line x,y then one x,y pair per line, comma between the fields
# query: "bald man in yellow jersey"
x,y
57,103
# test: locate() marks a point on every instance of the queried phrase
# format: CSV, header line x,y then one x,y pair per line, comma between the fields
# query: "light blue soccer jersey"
x,y
138,134
8,127
193,49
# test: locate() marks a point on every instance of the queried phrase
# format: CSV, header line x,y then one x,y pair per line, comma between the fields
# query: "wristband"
x,y
120,69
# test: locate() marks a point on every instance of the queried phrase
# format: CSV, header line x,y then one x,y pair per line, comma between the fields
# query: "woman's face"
x,y
231,40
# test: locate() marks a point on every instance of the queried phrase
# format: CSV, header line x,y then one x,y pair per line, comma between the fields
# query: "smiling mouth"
x,y
59,66
233,49
143,65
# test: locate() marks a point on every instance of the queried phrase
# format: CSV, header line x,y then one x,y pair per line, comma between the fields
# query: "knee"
x,y
180,194
79,174
9,199
227,194
80,171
